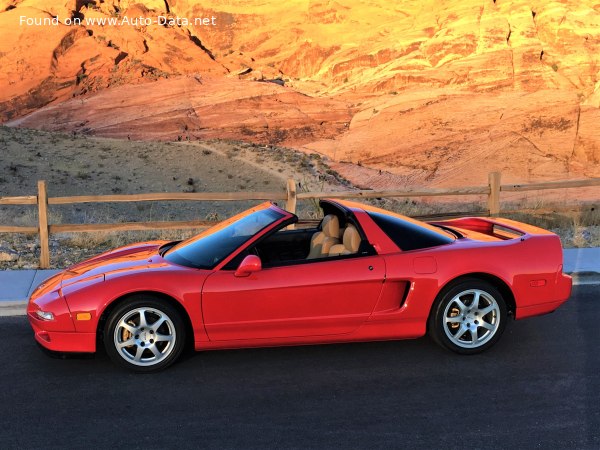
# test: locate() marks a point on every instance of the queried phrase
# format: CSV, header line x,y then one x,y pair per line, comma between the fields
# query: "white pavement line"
x,y
13,308
586,283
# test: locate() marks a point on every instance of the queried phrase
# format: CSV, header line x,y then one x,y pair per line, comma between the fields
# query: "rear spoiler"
x,y
499,227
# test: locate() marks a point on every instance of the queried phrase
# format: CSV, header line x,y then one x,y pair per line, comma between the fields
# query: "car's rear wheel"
x,y
468,317
144,334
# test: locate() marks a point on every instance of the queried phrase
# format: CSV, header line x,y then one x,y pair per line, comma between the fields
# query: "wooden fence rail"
x,y
291,196
176,196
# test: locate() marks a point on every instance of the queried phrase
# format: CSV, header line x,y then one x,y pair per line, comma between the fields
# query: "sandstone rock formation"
x,y
42,64
431,92
447,137
190,108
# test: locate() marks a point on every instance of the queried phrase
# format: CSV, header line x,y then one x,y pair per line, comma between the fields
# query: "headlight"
x,y
44,315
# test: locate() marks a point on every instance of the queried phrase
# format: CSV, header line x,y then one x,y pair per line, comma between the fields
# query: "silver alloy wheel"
x,y
144,336
471,318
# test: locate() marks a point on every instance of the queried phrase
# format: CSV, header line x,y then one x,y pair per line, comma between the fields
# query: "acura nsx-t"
x,y
362,274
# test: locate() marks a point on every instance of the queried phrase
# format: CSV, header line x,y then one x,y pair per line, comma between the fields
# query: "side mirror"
x,y
249,264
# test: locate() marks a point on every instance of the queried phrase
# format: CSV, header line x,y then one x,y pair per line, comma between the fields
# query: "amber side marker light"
x,y
84,316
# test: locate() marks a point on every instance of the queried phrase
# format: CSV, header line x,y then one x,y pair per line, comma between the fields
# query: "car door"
x,y
325,297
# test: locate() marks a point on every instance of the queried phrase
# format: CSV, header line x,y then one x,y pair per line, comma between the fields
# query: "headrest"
x,y
351,238
331,226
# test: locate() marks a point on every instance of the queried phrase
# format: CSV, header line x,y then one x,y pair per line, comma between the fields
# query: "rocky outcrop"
x,y
448,137
424,89
190,108
51,62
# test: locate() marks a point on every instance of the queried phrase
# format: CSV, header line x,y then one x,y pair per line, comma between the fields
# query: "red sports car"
x,y
363,274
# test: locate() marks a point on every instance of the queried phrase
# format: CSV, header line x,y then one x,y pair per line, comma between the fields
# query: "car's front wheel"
x,y
144,334
468,317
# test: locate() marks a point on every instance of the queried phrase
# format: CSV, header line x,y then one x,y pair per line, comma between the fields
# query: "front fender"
x,y
89,299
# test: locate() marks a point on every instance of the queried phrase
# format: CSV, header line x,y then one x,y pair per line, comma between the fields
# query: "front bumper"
x,y
57,334
62,341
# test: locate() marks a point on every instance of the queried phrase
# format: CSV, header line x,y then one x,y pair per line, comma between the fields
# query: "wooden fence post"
x,y
42,202
290,203
494,179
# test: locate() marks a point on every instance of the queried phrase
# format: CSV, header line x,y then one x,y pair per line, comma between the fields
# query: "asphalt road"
x,y
538,388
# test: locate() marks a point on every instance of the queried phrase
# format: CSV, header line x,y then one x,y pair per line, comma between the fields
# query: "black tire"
x,y
468,329
154,344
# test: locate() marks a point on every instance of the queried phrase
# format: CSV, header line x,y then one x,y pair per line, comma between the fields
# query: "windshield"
x,y
210,247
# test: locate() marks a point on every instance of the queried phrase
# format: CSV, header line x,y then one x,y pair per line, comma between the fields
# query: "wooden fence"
x,y
291,196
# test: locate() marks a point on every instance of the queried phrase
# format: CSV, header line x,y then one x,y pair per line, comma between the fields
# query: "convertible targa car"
x,y
363,274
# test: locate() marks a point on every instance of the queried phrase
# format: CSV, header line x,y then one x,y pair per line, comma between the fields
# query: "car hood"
x,y
143,255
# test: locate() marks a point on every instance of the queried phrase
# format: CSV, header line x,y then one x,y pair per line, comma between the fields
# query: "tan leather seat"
x,y
350,244
323,240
